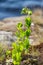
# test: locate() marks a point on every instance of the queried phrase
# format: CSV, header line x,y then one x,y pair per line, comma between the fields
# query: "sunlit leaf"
x,y
28,21
30,12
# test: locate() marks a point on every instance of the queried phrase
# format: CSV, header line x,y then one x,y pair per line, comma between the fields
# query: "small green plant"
x,y
22,43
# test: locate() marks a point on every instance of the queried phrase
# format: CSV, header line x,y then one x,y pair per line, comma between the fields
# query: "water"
x,y
11,8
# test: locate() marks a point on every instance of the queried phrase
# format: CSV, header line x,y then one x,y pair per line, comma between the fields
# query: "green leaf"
x,y
28,22
22,34
13,55
8,52
16,63
17,34
14,45
28,32
30,12
19,25
25,11
18,56
21,47
26,43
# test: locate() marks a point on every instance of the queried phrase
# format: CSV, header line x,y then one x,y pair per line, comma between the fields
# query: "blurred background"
x,y
11,8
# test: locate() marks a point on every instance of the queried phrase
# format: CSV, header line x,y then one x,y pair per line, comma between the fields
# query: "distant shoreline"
x,y
15,13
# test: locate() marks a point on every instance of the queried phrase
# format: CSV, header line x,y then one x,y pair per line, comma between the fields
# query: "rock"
x,y
37,16
7,38
9,25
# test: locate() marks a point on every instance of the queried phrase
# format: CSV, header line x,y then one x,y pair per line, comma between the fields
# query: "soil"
x,y
31,59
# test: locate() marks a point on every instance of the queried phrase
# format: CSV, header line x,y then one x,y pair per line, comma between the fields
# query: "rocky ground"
x,y
8,28
9,24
